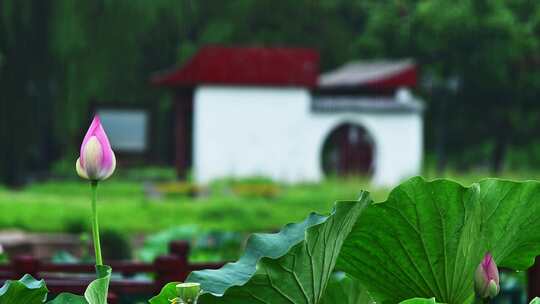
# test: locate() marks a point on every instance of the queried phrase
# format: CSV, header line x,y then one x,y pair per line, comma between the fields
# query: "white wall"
x,y
249,131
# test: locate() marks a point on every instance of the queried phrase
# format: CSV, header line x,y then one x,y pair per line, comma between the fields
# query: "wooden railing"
x,y
166,268
75,277
533,280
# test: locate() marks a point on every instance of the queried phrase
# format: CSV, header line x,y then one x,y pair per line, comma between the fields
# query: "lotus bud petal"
x,y
486,279
97,160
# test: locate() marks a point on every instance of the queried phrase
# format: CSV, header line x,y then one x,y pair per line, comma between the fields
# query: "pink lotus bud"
x,y
486,279
97,160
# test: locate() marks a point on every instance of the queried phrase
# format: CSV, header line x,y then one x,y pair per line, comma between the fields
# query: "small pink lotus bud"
x,y
97,160
486,279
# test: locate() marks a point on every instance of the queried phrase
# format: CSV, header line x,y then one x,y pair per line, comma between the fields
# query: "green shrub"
x,y
115,245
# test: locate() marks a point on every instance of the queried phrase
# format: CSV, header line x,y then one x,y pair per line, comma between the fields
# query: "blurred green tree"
x,y
79,53
490,47
58,57
25,85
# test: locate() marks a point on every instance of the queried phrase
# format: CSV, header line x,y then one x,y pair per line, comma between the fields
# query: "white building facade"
x,y
267,112
275,132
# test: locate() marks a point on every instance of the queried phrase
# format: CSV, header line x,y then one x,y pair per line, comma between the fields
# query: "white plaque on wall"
x,y
126,129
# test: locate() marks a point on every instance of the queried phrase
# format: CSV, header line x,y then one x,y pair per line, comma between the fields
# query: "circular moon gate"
x,y
348,150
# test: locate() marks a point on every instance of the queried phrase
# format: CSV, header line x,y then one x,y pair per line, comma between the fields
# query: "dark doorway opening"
x,y
348,150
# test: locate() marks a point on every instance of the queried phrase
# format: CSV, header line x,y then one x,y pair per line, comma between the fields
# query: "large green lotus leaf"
x,y
292,266
68,298
344,289
27,290
427,239
168,292
96,292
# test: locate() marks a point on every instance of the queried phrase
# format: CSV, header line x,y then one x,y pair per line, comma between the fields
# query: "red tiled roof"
x,y
256,66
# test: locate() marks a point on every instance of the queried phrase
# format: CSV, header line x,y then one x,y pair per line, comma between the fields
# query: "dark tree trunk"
x,y
442,131
183,132
502,132
25,112
499,154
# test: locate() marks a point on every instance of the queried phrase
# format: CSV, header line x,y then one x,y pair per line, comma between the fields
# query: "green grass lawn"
x,y
65,206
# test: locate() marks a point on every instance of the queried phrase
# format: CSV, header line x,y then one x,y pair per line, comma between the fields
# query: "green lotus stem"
x,y
95,224
188,293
